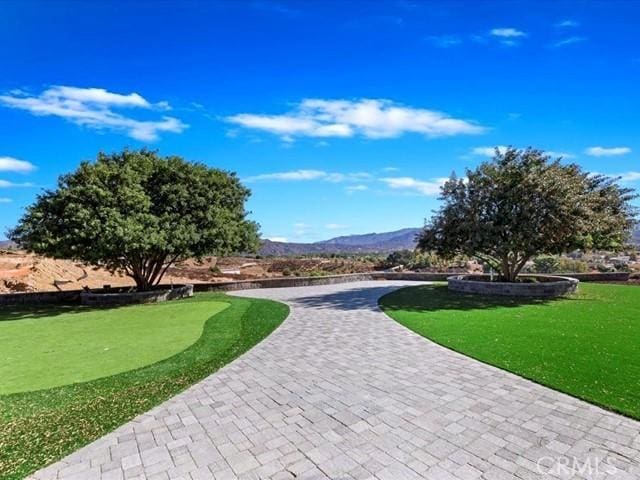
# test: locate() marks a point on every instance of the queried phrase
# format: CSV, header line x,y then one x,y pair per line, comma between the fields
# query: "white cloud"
x,y
554,154
568,41
371,118
294,175
490,152
10,164
8,184
94,108
607,151
445,41
567,23
335,226
301,229
5,200
277,239
306,175
428,188
356,188
507,33
628,176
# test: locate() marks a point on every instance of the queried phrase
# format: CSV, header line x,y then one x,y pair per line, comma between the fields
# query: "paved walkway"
x,y
341,391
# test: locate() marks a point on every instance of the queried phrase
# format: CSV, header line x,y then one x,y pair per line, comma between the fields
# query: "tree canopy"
x,y
137,212
522,204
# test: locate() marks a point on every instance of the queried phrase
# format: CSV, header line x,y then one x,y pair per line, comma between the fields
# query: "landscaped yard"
x,y
585,345
70,374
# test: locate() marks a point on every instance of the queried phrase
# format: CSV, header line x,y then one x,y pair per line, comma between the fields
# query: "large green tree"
x,y
523,203
138,213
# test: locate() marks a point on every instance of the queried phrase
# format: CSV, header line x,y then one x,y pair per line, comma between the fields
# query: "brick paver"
x,y
341,391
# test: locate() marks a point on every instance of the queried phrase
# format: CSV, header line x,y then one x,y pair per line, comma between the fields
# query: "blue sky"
x,y
342,117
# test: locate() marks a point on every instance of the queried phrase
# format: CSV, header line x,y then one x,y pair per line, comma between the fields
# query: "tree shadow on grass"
x,y
425,298
24,312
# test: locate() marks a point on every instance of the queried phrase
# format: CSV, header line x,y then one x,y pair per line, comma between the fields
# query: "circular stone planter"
x,y
111,297
538,286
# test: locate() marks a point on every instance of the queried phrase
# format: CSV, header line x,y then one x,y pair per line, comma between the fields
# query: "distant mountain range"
x,y
5,244
366,243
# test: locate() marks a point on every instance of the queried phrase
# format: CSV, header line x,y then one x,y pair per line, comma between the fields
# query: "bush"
x,y
567,265
602,268
546,264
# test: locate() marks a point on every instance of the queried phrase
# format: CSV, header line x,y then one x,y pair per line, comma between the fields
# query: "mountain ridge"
x,y
374,242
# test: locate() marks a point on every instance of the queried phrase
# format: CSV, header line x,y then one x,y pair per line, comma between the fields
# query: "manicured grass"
x,y
38,427
586,345
85,345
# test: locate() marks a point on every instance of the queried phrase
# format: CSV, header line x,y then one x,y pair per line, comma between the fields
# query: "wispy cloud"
x,y
508,36
370,118
429,188
555,154
10,164
629,176
445,41
8,184
277,239
490,152
568,23
607,151
307,175
335,226
96,108
5,200
507,33
568,41
356,188
275,7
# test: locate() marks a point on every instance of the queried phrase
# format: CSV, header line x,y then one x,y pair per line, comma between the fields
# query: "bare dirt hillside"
x,y
24,272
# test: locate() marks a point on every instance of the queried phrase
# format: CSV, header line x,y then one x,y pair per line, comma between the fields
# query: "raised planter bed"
x,y
108,297
530,285
73,296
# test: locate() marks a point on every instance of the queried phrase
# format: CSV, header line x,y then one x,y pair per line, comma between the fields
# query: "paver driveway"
x,y
341,391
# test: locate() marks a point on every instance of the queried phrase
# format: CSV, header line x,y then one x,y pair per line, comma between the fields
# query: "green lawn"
x,y
586,345
154,352
85,345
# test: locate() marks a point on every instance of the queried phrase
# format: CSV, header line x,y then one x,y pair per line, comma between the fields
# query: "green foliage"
x,y
137,212
555,264
568,265
546,264
522,204
400,257
585,345
413,260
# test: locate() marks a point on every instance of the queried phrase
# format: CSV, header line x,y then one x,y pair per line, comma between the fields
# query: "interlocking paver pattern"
x,y
341,391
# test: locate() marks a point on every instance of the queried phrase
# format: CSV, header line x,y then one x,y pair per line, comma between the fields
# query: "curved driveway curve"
x,y
341,391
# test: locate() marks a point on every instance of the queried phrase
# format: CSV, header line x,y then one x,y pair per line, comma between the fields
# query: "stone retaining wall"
x,y
129,298
281,282
548,286
599,277
40,298
73,296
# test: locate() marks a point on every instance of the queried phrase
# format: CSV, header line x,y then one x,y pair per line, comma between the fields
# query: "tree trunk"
x,y
148,273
